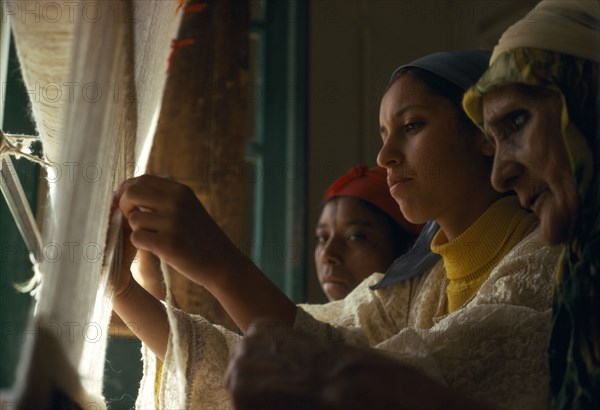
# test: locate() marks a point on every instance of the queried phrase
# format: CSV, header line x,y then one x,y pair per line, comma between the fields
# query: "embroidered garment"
x,y
507,323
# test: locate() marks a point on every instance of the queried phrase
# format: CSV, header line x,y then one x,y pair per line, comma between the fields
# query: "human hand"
x,y
286,365
123,280
294,368
142,266
147,272
169,221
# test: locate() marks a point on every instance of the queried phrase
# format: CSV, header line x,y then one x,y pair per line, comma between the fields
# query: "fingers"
x,y
147,192
169,221
146,220
143,227
134,194
154,232
148,274
139,199
160,245
128,248
148,241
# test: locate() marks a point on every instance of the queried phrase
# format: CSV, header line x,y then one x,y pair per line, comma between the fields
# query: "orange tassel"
x,y
192,8
195,8
177,45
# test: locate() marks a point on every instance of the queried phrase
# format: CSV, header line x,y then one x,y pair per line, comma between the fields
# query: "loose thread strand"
x,y
14,149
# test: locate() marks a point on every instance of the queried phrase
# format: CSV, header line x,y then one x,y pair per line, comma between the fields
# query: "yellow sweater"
x,y
470,257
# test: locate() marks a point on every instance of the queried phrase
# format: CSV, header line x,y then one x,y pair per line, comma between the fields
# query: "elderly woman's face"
x,y
530,156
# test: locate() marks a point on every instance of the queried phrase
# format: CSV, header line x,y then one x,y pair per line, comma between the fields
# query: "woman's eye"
x,y
518,119
322,239
412,126
357,237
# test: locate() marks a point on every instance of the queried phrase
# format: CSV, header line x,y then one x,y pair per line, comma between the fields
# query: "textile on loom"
x,y
96,77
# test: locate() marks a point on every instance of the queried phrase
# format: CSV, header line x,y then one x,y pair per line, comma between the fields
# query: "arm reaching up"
x,y
146,271
167,219
143,313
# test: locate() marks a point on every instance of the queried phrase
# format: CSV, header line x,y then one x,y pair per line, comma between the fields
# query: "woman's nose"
x,y
505,171
389,155
330,252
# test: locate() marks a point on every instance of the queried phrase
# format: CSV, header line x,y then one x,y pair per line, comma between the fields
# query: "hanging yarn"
x,y
191,8
195,8
177,45
95,134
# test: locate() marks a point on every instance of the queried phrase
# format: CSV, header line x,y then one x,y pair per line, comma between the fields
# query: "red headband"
x,y
371,186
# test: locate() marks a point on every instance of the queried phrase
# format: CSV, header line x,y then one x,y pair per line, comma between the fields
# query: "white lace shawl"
x,y
493,348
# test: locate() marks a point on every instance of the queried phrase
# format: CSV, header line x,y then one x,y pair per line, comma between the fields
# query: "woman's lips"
x,y
333,286
398,184
334,281
533,201
393,181
538,201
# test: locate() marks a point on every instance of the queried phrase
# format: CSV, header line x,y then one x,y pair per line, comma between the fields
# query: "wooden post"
x,y
203,124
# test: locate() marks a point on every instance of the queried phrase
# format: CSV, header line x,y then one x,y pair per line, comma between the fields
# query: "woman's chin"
x,y
555,231
412,213
335,290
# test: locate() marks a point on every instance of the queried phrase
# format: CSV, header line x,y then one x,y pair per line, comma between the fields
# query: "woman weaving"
x,y
486,301
538,104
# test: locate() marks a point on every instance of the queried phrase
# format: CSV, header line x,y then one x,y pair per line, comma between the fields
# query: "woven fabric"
x,y
95,103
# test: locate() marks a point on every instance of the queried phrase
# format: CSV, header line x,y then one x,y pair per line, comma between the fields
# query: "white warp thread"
x,y
89,138
180,365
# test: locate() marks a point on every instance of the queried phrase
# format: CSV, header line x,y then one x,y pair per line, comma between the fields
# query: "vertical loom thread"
x,y
174,334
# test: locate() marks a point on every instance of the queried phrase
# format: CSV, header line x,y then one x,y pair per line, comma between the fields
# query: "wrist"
x,y
125,292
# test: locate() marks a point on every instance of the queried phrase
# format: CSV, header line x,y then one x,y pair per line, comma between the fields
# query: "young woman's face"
x,y
531,157
353,241
434,165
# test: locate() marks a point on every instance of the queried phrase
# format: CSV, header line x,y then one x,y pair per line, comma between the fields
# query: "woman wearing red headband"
x,y
361,230
476,320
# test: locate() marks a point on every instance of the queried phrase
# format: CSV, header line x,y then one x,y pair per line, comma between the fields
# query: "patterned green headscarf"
x,y
556,47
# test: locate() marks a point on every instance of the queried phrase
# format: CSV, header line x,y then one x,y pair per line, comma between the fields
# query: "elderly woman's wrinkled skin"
x,y
523,122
